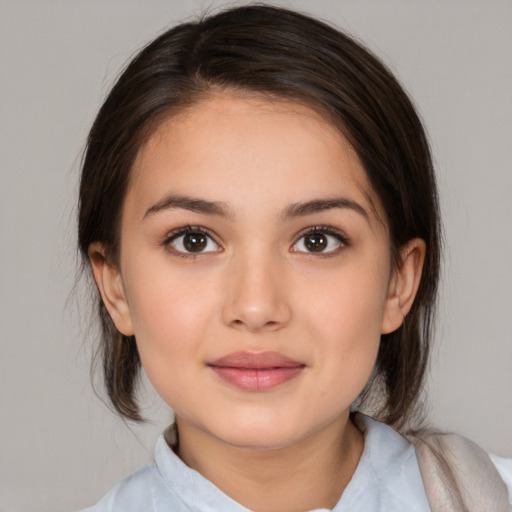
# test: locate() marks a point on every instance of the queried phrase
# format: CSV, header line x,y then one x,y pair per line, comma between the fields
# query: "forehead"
x,y
234,149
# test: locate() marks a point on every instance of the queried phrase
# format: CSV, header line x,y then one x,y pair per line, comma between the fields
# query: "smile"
x,y
256,371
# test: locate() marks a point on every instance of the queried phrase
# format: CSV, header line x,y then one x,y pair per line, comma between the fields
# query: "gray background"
x,y
60,447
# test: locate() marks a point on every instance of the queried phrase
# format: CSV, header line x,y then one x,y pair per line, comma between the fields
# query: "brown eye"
x,y
325,241
194,242
315,242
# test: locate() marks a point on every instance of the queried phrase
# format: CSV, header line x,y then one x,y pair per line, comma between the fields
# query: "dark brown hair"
x,y
280,54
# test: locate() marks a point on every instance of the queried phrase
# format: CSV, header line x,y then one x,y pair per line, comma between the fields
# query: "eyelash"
x,y
319,229
324,230
184,230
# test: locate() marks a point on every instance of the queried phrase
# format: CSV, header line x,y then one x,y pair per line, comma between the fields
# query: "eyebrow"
x,y
221,209
321,205
192,204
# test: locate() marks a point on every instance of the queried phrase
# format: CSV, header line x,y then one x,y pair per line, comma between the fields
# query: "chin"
x,y
260,440
258,433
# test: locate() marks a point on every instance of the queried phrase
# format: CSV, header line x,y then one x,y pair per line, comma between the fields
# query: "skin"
x,y
258,287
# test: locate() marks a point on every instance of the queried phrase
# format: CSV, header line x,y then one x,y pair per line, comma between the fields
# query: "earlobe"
x,y
111,288
404,284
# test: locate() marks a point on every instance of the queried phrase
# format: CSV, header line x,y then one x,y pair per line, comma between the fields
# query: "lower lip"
x,y
257,379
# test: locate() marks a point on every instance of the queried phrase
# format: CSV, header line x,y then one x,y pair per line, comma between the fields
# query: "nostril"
x,y
255,326
256,313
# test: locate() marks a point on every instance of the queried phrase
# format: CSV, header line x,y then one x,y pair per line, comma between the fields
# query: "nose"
x,y
256,294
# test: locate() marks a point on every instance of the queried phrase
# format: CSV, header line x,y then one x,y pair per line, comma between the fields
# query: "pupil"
x,y
194,242
316,242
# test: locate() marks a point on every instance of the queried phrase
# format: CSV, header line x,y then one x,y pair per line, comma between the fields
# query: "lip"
x,y
256,371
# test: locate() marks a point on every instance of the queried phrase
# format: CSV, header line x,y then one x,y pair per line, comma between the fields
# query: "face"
x,y
254,270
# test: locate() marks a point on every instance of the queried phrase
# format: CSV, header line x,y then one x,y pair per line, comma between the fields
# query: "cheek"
x,y
165,298
349,304
345,318
170,322
170,316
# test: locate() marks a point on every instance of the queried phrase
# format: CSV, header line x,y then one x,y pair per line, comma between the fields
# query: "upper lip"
x,y
255,360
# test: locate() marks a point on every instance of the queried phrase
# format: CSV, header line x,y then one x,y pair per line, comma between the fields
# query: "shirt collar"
x,y
387,473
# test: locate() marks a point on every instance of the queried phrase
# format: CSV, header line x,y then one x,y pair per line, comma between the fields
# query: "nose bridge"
x,y
256,297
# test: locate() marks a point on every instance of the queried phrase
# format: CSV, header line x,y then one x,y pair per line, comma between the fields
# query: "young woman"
x,y
259,210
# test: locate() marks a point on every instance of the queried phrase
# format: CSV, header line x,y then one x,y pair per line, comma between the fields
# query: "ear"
x,y
404,284
111,288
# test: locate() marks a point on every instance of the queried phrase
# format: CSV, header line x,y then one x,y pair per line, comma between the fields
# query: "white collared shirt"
x,y
387,479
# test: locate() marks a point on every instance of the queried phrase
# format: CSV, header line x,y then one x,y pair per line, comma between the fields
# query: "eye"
x,y
320,241
192,240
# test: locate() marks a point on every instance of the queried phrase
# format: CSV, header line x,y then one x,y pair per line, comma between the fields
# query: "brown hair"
x,y
281,54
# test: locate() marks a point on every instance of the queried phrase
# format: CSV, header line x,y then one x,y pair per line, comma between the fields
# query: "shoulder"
x,y
456,471
129,494
387,477
144,490
167,484
430,470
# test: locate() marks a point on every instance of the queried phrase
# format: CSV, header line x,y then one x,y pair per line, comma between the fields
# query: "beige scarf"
x,y
458,475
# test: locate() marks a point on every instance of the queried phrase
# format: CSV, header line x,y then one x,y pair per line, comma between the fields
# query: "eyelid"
x,y
323,228
327,230
183,230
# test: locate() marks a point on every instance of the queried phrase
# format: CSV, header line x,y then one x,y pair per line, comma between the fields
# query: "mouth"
x,y
256,371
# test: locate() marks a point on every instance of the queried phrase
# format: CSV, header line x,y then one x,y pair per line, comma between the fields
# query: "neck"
x,y
309,474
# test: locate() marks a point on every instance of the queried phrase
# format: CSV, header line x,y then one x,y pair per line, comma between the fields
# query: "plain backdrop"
x,y
60,446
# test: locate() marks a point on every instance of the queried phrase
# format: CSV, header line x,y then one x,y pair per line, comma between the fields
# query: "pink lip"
x,y
256,371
